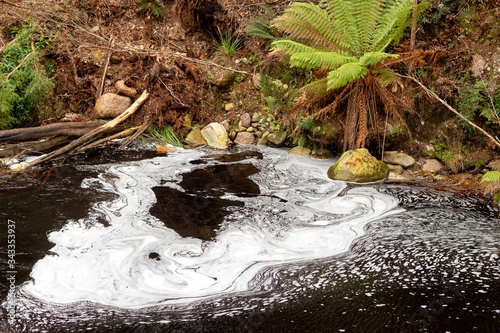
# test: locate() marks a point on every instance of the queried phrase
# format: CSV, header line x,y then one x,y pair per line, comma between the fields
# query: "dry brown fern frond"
x,y
494,165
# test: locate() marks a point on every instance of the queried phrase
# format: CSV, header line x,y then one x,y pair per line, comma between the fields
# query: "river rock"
x,y
255,117
194,138
299,151
225,123
395,157
396,168
321,154
244,138
277,137
358,166
262,141
432,165
245,120
111,105
216,135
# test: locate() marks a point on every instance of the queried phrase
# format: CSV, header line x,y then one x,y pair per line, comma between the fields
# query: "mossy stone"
x,y
358,166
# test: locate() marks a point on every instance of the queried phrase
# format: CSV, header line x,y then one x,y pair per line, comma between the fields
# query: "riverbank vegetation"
x,y
209,60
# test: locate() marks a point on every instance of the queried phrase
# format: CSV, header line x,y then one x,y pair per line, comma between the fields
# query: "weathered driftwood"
x,y
32,147
100,142
92,134
56,129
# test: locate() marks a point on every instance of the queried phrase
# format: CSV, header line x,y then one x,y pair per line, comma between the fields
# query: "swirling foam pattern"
x,y
300,215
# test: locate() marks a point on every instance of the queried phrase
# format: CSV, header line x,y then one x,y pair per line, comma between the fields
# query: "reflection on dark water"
x,y
199,211
217,180
190,215
40,202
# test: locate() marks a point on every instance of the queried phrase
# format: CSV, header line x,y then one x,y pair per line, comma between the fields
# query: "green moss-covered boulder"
x,y
358,166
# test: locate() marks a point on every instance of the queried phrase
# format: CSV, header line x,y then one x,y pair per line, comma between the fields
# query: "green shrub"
x,y
477,100
24,86
276,94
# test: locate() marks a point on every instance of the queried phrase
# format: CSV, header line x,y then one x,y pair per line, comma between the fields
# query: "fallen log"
x,y
92,134
32,147
56,129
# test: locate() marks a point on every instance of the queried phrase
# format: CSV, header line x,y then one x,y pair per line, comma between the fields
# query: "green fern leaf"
x,y
309,22
328,60
491,176
345,74
368,14
259,28
290,47
342,15
373,58
385,76
315,88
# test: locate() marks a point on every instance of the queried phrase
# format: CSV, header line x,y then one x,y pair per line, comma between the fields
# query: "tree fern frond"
x,y
401,26
345,74
259,27
373,58
385,76
312,23
393,18
268,10
340,12
316,88
368,14
328,60
290,47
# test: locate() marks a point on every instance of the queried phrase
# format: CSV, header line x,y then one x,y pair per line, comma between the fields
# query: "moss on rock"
x,y
358,166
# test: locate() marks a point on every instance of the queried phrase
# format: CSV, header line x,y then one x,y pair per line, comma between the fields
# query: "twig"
x,y
141,130
99,93
6,45
433,94
172,93
17,67
100,142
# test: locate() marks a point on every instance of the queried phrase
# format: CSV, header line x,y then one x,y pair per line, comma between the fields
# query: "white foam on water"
x,y
300,215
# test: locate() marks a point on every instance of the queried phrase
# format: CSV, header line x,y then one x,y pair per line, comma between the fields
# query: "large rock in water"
x,y
358,166
111,105
216,135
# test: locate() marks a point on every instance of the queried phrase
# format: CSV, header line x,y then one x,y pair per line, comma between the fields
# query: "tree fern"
x,y
347,37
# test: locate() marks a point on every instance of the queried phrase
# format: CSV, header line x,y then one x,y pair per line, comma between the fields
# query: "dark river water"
x,y
249,240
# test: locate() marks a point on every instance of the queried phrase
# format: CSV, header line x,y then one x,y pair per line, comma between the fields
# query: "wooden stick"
x,y
97,143
99,93
141,130
433,94
17,67
85,138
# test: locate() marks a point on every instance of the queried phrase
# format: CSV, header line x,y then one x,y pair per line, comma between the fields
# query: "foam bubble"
x,y
137,261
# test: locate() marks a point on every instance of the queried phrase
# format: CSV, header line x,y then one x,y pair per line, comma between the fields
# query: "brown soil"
x,y
168,56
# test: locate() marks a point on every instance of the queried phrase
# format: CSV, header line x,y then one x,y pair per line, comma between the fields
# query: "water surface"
x,y
206,241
